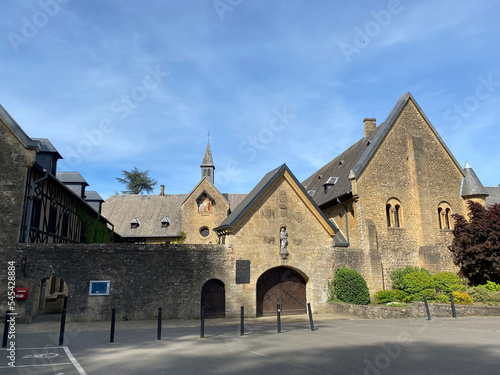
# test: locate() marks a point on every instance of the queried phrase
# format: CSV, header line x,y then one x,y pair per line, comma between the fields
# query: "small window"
x,y
165,222
99,288
65,224
36,213
444,216
135,223
204,232
394,213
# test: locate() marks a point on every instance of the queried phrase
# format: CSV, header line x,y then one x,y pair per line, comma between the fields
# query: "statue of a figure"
x,y
283,241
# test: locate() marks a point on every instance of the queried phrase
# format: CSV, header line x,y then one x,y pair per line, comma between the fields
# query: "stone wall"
x,y
143,277
415,310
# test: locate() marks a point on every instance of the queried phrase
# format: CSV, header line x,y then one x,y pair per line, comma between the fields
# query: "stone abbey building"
x,y
384,203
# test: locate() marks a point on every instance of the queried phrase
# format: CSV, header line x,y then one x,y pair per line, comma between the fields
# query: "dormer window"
x,y
330,183
165,222
341,162
134,223
311,192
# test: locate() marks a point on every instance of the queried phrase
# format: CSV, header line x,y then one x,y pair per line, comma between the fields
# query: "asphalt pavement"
x,y
403,346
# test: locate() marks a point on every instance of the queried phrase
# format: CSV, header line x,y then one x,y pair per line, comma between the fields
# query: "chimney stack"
x,y
370,125
162,190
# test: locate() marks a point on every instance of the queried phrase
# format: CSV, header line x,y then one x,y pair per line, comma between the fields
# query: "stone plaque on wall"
x,y
242,272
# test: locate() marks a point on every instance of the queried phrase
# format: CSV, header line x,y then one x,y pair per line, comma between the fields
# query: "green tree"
x,y
476,243
137,182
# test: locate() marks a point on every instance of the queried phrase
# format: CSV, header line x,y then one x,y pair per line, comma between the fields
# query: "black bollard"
x,y
202,325
158,334
63,325
6,329
311,323
113,319
453,311
242,321
278,320
427,308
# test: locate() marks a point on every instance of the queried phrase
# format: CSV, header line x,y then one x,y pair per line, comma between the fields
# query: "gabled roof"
x,y
71,178
471,185
198,184
28,142
207,158
262,187
357,157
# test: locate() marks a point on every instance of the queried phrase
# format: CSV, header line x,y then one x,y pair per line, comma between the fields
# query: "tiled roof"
x,y
47,146
18,130
207,158
91,195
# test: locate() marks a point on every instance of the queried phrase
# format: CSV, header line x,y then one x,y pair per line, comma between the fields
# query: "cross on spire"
x,y
208,135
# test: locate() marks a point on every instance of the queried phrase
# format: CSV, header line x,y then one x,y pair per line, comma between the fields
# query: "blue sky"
x,y
117,84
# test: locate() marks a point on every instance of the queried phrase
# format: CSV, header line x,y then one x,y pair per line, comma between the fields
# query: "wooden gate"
x,y
284,286
213,298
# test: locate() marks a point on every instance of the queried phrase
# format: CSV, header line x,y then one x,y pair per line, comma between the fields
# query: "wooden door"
x,y
213,298
282,286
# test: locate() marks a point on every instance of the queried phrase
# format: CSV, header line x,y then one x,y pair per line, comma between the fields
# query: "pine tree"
x,y
137,182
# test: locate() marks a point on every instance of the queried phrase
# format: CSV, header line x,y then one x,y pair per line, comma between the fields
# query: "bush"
x,y
351,287
448,282
481,294
491,286
398,274
416,282
462,298
442,298
386,296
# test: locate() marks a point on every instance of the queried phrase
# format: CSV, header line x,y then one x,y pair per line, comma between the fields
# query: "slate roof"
x,y
91,195
18,130
47,146
357,157
71,178
471,184
150,210
259,189
207,158
493,195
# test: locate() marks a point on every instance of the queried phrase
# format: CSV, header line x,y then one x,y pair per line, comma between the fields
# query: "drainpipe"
x,y
30,209
346,220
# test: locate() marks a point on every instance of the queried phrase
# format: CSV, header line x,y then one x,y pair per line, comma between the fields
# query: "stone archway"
x,y
284,286
51,295
213,298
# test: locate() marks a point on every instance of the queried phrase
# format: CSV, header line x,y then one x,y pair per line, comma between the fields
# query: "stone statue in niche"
x,y
283,241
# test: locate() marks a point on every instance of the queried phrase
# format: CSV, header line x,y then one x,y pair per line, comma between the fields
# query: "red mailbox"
x,y
22,293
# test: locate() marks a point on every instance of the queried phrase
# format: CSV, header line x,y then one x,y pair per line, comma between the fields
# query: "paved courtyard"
x,y
404,346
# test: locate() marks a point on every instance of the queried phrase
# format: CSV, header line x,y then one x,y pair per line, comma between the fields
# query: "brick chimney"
x,y
370,125
162,190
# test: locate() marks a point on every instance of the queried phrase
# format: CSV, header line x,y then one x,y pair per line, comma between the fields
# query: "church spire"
x,y
207,165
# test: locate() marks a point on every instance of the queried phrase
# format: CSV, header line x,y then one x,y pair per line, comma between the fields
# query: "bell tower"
x,y
207,165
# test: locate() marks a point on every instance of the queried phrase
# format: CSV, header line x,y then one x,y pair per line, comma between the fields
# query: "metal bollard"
x,y
6,329
158,334
311,323
242,321
202,325
427,308
453,311
113,319
278,320
63,326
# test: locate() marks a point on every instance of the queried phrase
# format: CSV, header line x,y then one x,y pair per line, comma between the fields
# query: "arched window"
x,y
394,213
444,216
